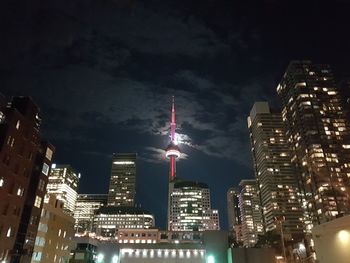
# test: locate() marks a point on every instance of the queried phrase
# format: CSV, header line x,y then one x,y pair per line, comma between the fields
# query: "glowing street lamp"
x,y
210,259
100,258
115,259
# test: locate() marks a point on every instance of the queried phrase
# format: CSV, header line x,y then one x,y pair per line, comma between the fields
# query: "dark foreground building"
x,y
24,164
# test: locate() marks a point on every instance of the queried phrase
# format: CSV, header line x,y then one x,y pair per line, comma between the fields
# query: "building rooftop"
x,y
122,210
182,184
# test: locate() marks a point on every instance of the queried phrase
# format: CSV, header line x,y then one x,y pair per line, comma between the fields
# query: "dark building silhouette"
x,y
24,164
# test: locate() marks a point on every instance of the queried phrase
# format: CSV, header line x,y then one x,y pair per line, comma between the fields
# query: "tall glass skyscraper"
x,y
275,174
122,186
319,138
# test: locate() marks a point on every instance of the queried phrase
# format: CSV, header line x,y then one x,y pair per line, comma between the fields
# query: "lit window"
x,y
20,191
2,117
37,202
45,169
11,141
49,154
8,234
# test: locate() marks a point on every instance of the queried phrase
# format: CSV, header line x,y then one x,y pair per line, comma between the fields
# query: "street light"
x,y
115,259
100,258
210,259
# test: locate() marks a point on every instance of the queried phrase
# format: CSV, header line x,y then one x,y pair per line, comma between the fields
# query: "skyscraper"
x,y
25,162
85,208
122,186
251,218
319,137
190,208
276,180
63,183
233,213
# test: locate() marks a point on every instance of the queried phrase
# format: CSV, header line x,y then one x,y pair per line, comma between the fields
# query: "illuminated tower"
x,y
172,151
189,207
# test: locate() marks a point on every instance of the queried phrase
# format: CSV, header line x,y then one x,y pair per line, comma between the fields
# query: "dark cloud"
x,y
103,73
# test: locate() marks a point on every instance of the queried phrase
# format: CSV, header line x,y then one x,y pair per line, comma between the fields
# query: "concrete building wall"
x,y
56,230
332,241
250,255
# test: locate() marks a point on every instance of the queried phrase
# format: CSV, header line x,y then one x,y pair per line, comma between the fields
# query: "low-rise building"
x,y
109,219
332,240
53,242
173,247
85,250
85,208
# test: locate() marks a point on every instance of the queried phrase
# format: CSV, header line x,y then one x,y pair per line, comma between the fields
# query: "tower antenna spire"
x,y
173,123
172,151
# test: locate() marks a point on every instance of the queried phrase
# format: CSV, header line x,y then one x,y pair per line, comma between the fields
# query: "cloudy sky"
x,y
103,73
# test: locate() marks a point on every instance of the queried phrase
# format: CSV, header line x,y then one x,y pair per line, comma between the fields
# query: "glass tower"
x,y
275,174
123,180
319,138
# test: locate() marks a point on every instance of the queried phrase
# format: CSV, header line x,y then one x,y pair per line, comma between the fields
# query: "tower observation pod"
x,y
172,151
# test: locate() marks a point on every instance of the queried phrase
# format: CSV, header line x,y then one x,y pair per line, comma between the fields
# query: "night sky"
x,y
103,73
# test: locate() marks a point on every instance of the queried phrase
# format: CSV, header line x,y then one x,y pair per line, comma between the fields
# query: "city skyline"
x,y
103,90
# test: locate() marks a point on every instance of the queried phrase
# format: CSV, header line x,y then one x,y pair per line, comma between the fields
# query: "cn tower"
x,y
172,151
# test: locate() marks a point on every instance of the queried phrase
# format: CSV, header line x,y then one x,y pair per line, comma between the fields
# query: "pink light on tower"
x,y
172,151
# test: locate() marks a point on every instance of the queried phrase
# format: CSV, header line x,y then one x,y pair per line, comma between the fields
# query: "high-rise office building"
x,y
25,163
275,175
190,208
319,137
251,217
63,183
122,186
85,208
234,213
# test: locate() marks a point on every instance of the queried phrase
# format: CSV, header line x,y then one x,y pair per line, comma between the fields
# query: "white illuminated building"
x,y
251,217
274,172
108,220
85,208
190,255
63,183
190,208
